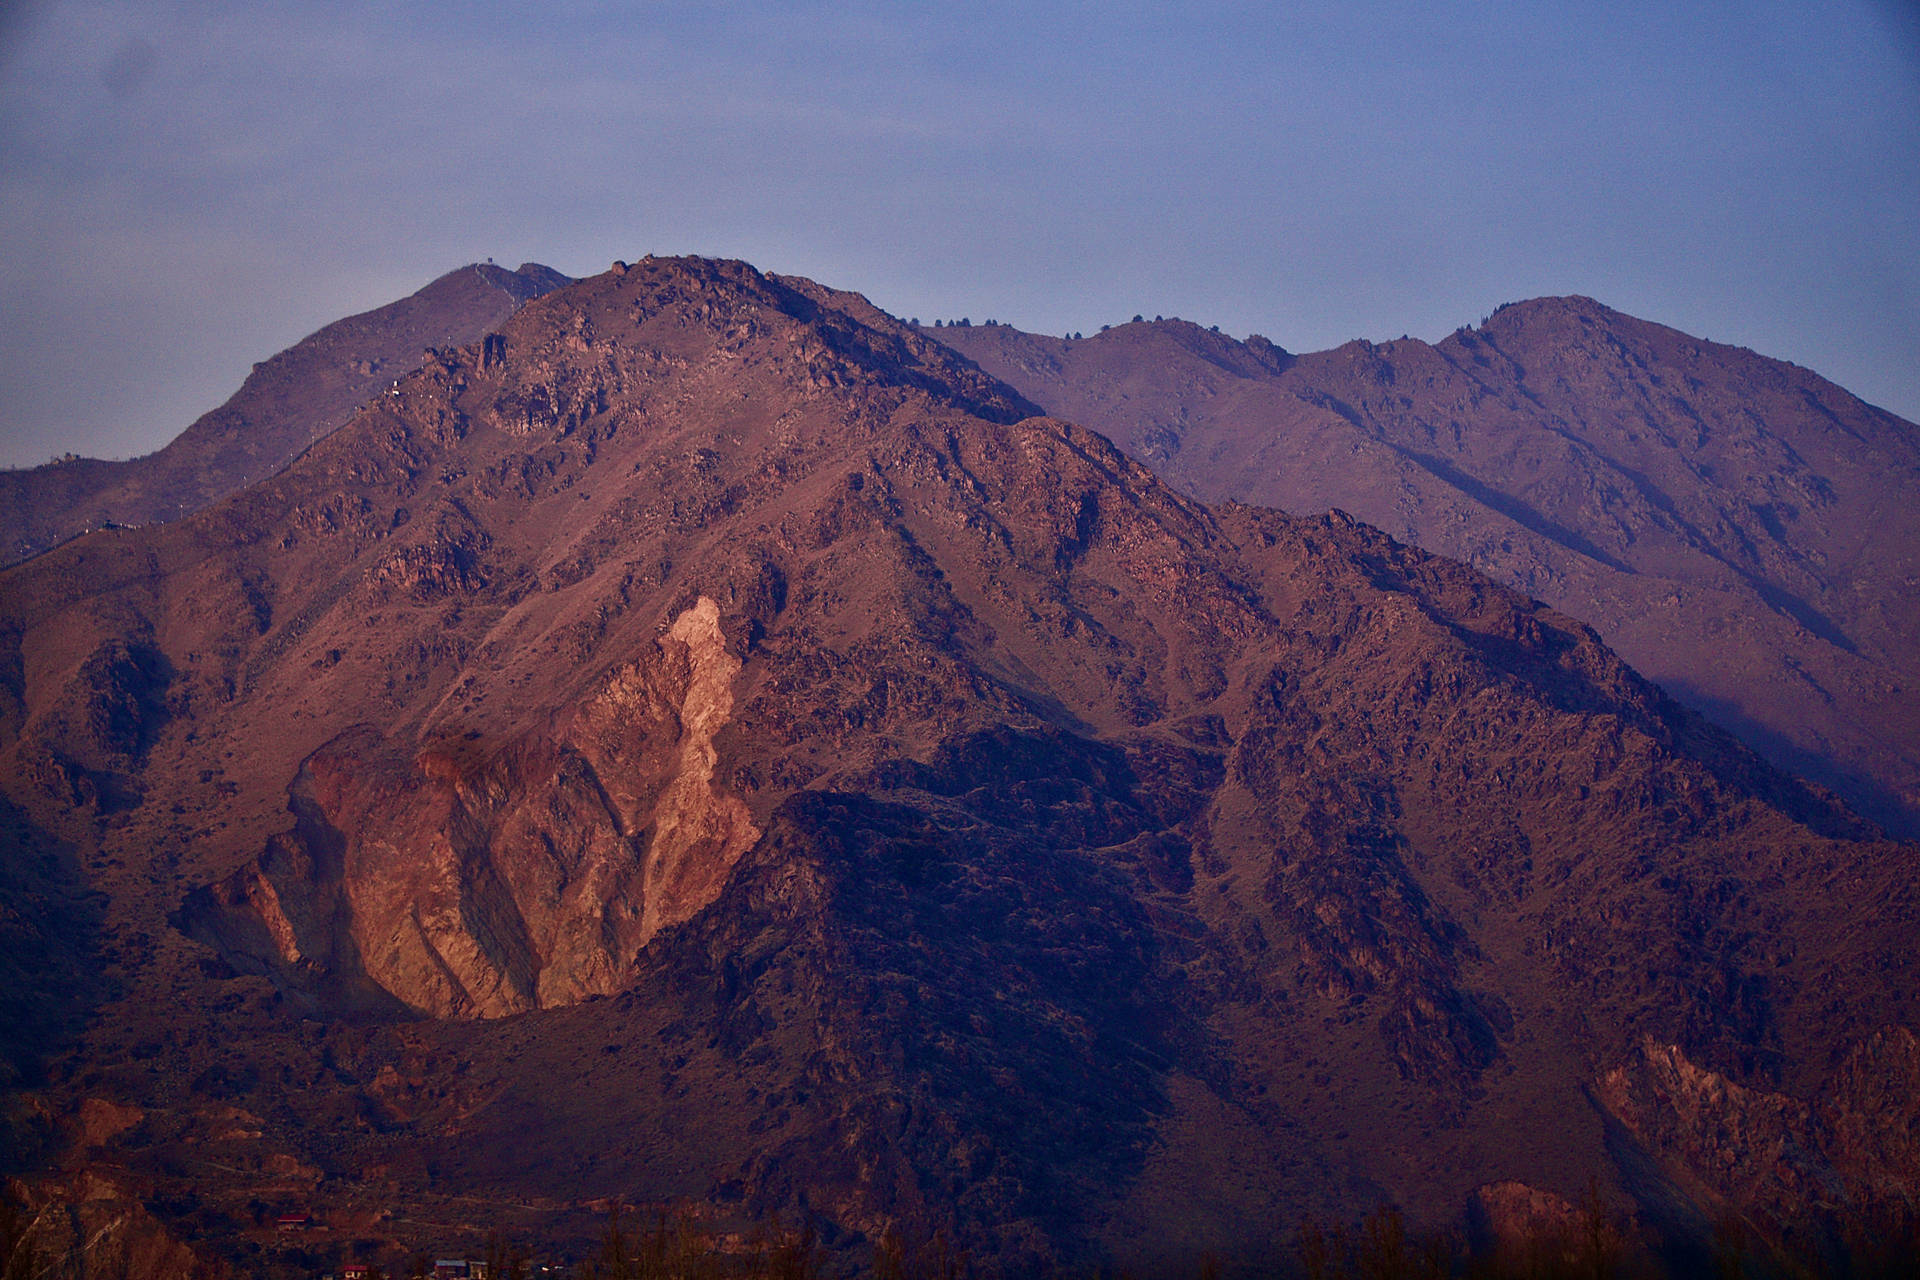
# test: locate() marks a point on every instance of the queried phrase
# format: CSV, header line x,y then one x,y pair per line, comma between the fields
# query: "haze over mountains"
x,y
709,744
286,403
1741,530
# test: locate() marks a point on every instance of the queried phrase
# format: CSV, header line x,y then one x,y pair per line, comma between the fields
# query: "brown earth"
x,y
713,747
1739,529
287,402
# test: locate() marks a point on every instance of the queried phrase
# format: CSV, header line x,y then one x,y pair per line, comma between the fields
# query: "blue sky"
x,y
187,187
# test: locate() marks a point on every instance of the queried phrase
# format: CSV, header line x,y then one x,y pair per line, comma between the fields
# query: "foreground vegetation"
x,y
1589,1246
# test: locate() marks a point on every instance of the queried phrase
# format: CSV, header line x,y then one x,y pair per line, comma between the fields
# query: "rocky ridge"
x,y
1741,530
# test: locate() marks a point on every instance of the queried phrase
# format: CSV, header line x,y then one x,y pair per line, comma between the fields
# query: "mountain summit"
x,y
708,745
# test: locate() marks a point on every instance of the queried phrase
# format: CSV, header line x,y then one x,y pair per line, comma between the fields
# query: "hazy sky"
x,y
188,187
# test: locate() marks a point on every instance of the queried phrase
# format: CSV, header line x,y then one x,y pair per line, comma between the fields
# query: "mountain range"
x,y
706,745
1739,529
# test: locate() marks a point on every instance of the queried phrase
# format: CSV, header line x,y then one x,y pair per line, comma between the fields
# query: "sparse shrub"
x,y
1729,1250
503,1261
1313,1250
936,1259
890,1257
19,1256
794,1255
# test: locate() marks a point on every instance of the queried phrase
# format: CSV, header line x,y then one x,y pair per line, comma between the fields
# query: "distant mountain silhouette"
x,y
1739,529
709,747
286,403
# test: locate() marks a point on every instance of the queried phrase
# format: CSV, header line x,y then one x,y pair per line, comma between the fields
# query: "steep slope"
x,y
1739,529
711,746
287,402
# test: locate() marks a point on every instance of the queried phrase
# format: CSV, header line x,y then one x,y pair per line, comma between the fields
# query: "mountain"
x,y
286,403
1740,530
709,747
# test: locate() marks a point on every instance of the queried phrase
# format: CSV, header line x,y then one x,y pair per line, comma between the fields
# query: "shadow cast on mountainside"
x,y
948,1009
1773,596
1522,514
1506,504
50,973
1870,800
1727,743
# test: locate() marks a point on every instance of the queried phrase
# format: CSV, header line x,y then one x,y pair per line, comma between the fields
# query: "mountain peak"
x,y
974,835
528,280
1571,321
1574,304
723,310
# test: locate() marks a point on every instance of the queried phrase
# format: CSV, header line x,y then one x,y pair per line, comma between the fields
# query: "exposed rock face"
x,y
91,1224
286,403
463,885
698,833
960,829
1535,1232
1794,1168
1742,531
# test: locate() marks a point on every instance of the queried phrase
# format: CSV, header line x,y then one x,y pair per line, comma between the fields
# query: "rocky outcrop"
x,y
95,1225
1530,1231
698,833
478,880
1800,1172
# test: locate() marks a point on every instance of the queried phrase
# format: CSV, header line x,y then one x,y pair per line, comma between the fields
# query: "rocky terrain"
x,y
1740,530
711,747
287,402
